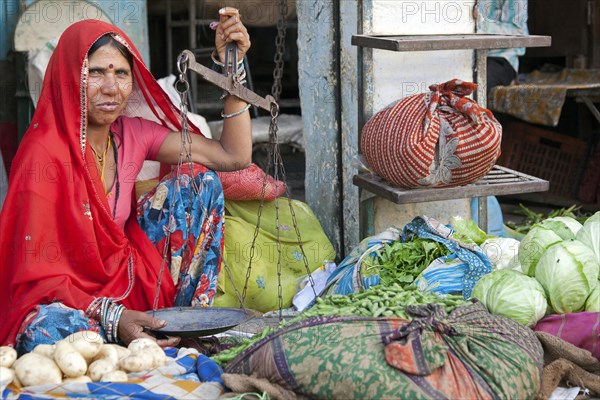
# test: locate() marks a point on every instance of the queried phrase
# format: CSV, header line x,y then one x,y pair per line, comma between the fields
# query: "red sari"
x,y
58,240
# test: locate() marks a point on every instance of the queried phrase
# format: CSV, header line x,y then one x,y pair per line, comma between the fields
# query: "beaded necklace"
x,y
117,185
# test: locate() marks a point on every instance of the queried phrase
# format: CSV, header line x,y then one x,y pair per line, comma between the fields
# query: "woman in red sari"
x,y
74,255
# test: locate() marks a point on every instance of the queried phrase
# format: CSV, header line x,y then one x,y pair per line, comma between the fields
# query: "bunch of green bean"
x,y
377,301
223,357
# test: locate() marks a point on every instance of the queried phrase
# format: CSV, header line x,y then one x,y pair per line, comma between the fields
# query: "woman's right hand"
x,y
231,29
132,324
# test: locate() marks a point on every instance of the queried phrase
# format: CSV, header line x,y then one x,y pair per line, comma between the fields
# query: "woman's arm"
x,y
234,149
232,152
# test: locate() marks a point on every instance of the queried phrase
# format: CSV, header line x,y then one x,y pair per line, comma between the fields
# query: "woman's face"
x,y
109,86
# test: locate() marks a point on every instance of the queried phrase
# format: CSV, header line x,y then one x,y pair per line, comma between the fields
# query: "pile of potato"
x,y
80,357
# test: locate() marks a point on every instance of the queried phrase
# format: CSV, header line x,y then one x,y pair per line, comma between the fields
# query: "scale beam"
x,y
228,83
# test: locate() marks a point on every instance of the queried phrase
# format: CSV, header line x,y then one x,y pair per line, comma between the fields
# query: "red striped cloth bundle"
x,y
435,139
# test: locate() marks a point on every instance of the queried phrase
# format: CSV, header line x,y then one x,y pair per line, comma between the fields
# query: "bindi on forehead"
x,y
110,66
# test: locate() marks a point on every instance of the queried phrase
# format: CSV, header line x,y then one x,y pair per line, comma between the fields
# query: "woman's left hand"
x,y
231,29
132,324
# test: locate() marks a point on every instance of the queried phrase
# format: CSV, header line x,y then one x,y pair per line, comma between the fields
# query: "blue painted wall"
x,y
9,14
129,15
318,85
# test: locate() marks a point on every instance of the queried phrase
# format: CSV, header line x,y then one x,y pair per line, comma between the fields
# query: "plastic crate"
x,y
548,155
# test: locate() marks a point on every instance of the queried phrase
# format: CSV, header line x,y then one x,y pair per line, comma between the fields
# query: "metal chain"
x,y
253,246
273,127
276,93
279,161
185,131
277,164
274,114
182,86
278,75
280,50
237,292
275,161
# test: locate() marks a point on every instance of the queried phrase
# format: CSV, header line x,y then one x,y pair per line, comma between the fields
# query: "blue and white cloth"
x,y
504,17
347,278
187,375
448,277
456,273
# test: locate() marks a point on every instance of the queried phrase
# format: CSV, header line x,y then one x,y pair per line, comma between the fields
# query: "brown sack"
x,y
564,362
246,384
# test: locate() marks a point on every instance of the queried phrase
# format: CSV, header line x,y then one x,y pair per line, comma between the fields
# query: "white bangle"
x,y
235,114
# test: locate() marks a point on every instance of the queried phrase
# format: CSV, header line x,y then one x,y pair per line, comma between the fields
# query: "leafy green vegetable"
x,y
483,285
467,231
568,272
402,263
564,227
532,218
227,355
516,296
589,234
534,245
592,304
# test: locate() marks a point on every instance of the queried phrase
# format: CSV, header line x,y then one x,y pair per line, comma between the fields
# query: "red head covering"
x,y
58,240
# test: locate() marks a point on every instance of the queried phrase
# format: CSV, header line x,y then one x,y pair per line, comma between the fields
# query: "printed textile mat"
x,y
540,97
187,375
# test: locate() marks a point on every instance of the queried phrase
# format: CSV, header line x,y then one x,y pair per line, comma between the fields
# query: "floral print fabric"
x,y
182,213
186,215
49,323
469,354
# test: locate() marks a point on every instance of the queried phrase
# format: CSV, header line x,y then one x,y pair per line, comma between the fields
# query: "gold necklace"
x,y
101,159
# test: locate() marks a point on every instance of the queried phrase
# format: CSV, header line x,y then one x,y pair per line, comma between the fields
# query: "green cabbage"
x,y
483,285
565,227
590,234
568,272
593,301
514,295
533,245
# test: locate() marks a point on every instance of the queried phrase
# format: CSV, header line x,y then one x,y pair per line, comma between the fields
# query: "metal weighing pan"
x,y
198,321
